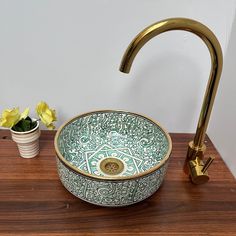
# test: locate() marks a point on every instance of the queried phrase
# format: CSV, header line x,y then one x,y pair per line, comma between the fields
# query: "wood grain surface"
x,y
34,202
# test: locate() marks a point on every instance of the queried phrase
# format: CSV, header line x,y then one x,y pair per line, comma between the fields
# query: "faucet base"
x,y
192,153
197,175
194,165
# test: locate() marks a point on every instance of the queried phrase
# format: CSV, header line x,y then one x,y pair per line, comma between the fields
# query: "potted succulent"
x,y
25,130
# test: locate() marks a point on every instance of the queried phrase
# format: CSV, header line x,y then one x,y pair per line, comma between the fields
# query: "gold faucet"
x,y
194,165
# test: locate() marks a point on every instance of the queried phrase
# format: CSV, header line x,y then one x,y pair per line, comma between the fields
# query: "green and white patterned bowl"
x,y
112,158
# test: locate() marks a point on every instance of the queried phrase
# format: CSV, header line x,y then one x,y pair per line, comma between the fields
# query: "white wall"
x,y
68,54
222,127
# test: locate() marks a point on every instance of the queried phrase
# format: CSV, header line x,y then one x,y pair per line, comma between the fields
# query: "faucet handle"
x,y
207,164
198,170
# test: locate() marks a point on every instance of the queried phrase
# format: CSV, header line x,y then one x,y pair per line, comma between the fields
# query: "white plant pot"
x,y
27,142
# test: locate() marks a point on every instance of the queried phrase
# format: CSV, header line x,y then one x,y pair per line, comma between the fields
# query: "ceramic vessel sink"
x,y
112,158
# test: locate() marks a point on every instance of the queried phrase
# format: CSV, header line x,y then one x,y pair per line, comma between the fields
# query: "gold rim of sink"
x,y
114,178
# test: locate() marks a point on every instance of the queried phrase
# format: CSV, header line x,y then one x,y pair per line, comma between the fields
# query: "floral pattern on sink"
x,y
111,193
137,142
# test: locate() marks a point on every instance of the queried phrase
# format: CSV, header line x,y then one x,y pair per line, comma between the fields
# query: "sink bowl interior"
x,y
113,144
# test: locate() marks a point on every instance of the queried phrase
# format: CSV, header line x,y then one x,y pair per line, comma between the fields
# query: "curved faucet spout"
x,y
196,147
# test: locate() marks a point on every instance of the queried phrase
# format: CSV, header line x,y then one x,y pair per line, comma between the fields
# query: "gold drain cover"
x,y
112,166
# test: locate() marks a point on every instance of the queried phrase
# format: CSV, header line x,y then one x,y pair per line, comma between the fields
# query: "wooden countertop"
x,y
34,202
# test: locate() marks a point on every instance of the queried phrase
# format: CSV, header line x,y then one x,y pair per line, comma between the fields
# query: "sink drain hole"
x,y
112,166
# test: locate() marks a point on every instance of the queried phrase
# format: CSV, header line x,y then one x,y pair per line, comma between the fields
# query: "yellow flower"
x,y
10,117
46,115
24,114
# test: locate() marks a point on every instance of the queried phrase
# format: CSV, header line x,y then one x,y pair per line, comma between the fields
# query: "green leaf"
x,y
26,125
16,128
28,118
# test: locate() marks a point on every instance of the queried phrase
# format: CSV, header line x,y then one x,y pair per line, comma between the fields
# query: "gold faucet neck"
x,y
216,67
167,25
